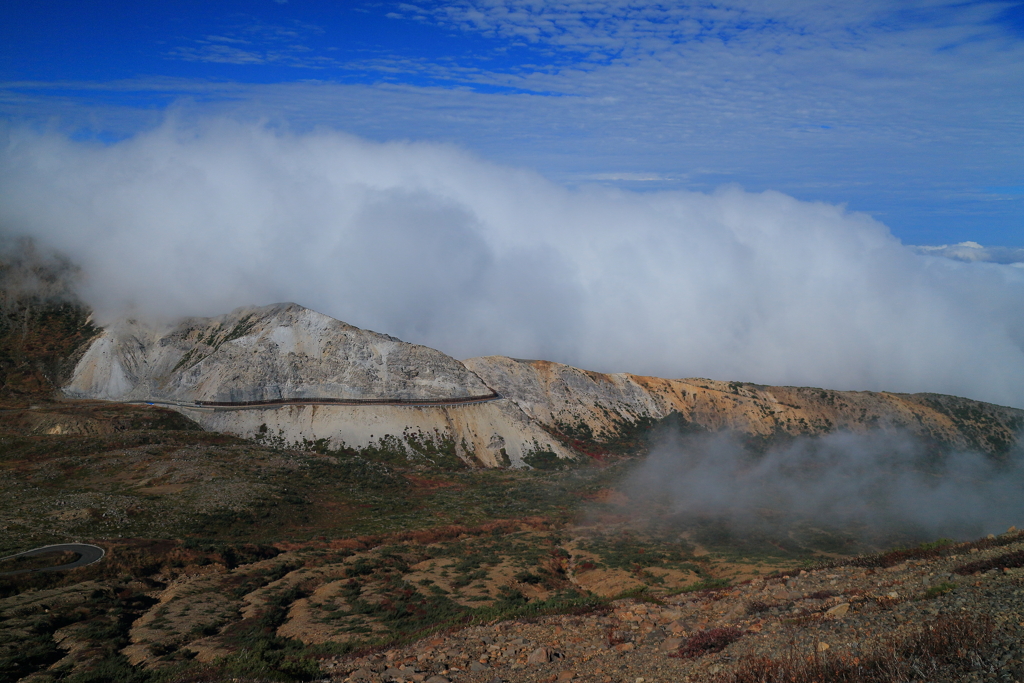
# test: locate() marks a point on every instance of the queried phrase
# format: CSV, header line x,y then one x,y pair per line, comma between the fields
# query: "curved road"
x,y
213,406
89,554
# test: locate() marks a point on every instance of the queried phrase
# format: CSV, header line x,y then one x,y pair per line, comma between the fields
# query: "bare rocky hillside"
x,y
400,396
492,411
941,615
591,406
265,353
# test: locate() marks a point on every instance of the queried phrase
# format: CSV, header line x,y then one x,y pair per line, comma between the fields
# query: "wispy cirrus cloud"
x,y
732,47
607,30
255,42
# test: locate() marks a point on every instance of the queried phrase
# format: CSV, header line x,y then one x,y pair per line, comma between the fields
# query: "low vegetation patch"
x,y
1006,561
708,642
938,652
939,590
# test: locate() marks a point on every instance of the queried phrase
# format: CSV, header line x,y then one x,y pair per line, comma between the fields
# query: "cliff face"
x,y
579,403
492,434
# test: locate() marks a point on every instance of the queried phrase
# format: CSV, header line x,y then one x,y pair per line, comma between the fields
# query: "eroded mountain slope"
x,y
593,406
287,352
492,411
264,353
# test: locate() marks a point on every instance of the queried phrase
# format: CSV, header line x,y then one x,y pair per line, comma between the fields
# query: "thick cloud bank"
x,y
878,483
430,244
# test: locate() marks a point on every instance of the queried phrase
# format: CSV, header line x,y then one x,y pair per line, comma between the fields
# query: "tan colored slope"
x,y
575,402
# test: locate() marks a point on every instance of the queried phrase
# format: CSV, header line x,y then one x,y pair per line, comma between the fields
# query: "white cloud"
x,y
628,177
223,54
626,31
972,252
428,243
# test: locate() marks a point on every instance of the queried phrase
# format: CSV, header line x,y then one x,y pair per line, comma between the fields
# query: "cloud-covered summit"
x,y
438,247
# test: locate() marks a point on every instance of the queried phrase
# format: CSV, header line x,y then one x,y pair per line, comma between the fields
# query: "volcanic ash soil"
x,y
845,613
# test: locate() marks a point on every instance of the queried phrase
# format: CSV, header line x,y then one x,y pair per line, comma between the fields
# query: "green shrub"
x,y
939,590
545,460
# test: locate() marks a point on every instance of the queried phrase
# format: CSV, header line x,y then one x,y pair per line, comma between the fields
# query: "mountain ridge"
x,y
288,355
556,395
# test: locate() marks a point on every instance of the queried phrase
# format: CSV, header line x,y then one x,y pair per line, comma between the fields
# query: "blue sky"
x,y
912,112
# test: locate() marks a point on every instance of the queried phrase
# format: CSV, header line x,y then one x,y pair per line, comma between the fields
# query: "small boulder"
x,y
838,611
539,656
670,644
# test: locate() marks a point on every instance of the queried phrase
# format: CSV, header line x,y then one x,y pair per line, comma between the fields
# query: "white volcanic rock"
x,y
495,434
274,352
553,393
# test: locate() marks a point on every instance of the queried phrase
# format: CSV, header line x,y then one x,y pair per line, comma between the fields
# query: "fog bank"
x,y
877,483
433,245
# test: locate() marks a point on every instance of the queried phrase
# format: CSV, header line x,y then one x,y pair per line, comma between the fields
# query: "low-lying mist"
x,y
433,245
873,487
27,272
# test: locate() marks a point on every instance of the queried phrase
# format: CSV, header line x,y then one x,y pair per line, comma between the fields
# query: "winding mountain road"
x,y
88,554
210,406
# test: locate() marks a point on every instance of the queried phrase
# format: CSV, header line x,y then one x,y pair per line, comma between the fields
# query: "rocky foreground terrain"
x,y
941,614
439,606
